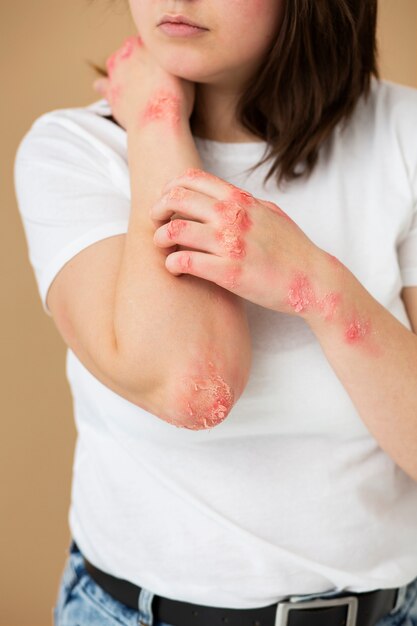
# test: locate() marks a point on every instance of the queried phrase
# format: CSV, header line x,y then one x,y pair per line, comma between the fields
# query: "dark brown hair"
x,y
310,79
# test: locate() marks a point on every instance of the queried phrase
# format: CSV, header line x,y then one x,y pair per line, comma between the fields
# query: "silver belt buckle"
x,y
285,607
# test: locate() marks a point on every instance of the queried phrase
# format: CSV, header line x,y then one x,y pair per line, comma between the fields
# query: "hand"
x,y
242,243
135,78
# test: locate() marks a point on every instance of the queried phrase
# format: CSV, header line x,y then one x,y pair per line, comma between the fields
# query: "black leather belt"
x,y
345,609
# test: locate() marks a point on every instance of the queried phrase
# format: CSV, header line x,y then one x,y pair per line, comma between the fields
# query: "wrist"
x,y
329,282
155,157
159,138
156,117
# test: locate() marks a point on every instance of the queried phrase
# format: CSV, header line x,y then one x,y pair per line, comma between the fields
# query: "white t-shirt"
x,y
291,494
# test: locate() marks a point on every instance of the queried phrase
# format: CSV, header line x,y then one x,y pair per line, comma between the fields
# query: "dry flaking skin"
x,y
205,401
163,105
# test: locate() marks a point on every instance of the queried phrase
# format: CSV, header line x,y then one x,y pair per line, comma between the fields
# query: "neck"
x,y
214,115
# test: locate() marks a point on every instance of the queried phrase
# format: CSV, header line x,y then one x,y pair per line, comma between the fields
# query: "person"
x,y
227,243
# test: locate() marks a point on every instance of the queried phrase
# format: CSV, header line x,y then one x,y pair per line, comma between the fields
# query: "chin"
x,y
183,66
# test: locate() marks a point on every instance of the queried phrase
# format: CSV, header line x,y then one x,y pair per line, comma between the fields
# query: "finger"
x,y
225,242
111,63
184,201
201,207
129,45
211,185
124,52
207,266
188,234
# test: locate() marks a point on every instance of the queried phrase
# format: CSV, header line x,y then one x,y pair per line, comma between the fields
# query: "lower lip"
x,y
181,30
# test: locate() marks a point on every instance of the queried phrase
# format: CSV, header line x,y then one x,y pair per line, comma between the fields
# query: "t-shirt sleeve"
x,y
66,196
405,128
407,254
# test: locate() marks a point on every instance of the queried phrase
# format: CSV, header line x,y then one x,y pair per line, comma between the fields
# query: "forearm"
x,y
185,337
373,355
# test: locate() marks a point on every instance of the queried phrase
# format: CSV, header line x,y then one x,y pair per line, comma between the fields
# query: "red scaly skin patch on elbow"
x,y
164,106
206,400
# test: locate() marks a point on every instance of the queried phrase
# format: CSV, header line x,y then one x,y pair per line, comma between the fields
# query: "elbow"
x,y
203,397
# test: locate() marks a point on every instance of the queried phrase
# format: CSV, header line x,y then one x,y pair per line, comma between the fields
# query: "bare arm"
x,y
187,338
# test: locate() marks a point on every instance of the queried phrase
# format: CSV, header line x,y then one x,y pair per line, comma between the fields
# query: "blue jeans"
x,y
81,602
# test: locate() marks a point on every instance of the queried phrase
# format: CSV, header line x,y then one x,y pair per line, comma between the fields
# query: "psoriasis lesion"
x,y
335,307
302,298
235,222
359,331
163,106
175,227
203,399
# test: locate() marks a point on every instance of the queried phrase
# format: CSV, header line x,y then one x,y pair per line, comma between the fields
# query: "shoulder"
x,y
393,103
396,118
79,136
385,123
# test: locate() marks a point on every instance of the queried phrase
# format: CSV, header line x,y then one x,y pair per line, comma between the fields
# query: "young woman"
x,y
227,243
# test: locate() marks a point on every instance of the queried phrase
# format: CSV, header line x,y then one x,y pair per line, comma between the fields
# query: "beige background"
x,y
43,46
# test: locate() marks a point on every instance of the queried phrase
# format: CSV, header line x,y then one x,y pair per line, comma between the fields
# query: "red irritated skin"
x,y
157,97
201,398
202,390
251,248
254,249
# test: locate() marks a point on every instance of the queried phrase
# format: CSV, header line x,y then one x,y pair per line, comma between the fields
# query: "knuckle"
x,y
192,172
176,193
175,227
